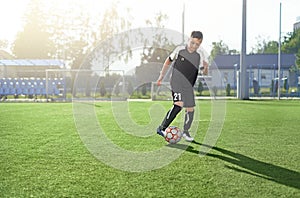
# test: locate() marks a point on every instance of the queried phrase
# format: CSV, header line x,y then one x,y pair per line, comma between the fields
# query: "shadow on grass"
x,y
250,166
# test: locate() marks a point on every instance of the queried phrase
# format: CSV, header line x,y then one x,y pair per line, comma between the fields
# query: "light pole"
x,y
279,53
183,15
244,79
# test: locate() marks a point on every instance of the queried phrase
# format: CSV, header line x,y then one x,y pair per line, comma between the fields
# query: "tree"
x,y
34,41
70,33
112,23
200,88
292,45
3,53
102,89
130,88
219,48
264,46
3,44
228,89
160,46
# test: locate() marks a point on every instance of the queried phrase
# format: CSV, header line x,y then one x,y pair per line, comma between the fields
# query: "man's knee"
x,y
189,109
179,103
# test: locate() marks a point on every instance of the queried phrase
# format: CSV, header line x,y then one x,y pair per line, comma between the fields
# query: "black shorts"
x,y
184,94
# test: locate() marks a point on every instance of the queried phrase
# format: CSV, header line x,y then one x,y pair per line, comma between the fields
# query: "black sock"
x,y
171,115
188,119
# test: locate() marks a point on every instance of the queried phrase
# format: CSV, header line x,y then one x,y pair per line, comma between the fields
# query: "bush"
x,y
102,89
200,88
228,89
215,90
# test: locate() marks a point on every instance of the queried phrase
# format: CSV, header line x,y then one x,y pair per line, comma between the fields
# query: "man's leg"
x,y
188,120
170,116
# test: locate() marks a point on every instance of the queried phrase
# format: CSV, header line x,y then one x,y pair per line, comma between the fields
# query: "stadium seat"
x,y
31,90
56,91
6,91
43,91
4,85
12,91
30,86
25,90
18,91
37,91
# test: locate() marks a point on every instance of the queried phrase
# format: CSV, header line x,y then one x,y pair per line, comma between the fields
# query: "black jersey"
x,y
186,65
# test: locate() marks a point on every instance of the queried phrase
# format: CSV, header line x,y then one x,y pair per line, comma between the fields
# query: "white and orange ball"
x,y
173,134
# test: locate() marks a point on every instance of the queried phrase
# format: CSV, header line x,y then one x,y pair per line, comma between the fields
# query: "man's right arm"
x,y
163,71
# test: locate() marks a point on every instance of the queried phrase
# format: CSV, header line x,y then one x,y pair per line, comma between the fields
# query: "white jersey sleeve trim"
x,y
173,56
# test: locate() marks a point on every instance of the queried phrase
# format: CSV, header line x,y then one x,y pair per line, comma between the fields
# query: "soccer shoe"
x,y
161,132
187,136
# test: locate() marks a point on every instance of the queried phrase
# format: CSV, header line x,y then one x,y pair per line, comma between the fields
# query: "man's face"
x,y
194,44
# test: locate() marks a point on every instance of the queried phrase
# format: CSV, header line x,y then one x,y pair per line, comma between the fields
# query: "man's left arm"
x,y
204,57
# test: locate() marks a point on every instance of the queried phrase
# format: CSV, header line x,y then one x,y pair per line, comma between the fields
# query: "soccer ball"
x,y
173,134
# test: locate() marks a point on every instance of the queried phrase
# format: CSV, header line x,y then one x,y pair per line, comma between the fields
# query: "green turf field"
x,y
257,154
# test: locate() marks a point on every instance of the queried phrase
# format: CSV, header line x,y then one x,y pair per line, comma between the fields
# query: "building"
x,y
5,55
28,77
27,68
297,24
262,68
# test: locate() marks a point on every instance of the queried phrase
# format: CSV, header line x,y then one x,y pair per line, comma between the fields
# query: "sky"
x,y
217,19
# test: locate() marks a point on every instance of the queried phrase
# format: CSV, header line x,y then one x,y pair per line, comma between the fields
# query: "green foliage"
x,y
228,89
256,87
112,23
129,88
161,45
215,90
200,88
219,48
3,44
144,89
298,59
67,35
286,84
117,90
35,39
264,46
102,89
274,86
292,45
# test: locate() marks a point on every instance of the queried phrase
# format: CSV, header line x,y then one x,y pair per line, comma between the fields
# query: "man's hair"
x,y
197,34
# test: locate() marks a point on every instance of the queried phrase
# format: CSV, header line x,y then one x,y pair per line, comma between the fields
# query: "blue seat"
x,y
56,91
43,91
4,85
38,91
31,90
12,91
6,91
25,90
18,90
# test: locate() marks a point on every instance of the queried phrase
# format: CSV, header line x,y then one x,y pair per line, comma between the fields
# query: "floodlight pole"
x,y
244,79
279,53
183,13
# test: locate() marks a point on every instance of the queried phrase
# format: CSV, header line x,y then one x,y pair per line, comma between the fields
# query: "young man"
x,y
186,63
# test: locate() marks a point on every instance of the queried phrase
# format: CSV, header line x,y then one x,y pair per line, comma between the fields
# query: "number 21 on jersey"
x,y
177,96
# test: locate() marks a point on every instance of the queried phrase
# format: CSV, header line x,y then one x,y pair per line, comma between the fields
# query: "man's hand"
x,y
159,80
205,68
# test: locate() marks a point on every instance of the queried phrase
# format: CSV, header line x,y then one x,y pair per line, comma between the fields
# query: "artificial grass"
x,y
257,154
